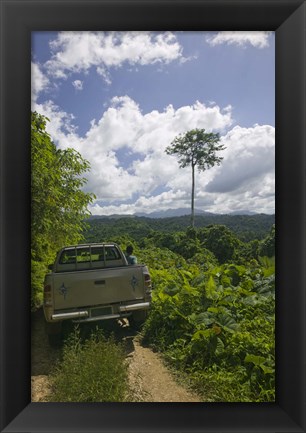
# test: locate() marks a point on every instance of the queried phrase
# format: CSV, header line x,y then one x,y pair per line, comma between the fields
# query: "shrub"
x,y
38,271
217,326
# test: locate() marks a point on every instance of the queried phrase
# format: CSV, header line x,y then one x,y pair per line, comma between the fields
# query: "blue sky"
x,y
120,98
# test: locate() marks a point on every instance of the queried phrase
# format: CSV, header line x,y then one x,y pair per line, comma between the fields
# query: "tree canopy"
x,y
59,205
196,148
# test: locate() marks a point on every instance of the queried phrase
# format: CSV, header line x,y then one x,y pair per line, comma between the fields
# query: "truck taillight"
x,y
47,295
148,285
47,288
147,279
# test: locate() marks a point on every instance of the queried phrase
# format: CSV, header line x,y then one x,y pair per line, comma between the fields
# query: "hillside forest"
x,y
213,307
212,316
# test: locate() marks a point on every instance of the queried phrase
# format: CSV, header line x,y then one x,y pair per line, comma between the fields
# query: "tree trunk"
x,y
192,197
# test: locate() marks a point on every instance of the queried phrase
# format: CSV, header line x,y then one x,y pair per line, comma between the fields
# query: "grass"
x,y
91,370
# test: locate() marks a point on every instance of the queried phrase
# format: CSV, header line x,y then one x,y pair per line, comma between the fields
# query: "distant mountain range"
x,y
170,213
247,226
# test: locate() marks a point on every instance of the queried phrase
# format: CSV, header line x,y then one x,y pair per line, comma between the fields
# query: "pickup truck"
x,y
93,282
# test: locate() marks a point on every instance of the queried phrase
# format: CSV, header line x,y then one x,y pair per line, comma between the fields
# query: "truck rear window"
x,y
68,256
84,257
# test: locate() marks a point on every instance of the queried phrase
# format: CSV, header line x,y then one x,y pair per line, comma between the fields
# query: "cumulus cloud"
x,y
257,39
163,201
79,51
249,153
124,130
39,81
246,177
77,84
61,126
245,180
124,126
130,171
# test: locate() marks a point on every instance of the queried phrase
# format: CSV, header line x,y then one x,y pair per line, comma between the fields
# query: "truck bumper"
x,y
133,307
73,315
86,316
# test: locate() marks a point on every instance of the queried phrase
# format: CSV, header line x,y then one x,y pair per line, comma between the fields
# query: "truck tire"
x,y
138,318
54,332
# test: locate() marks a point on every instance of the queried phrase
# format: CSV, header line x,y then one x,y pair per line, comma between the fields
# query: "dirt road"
x,y
149,377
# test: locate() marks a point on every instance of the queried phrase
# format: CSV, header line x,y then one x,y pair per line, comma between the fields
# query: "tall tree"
x,y
196,148
59,205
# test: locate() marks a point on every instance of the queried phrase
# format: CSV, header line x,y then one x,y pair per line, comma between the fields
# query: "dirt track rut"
x,y
149,377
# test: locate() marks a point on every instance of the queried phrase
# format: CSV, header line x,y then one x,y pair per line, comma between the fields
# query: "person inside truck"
x,y
131,259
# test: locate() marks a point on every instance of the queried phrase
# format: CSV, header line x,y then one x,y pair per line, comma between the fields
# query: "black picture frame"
x,y
18,19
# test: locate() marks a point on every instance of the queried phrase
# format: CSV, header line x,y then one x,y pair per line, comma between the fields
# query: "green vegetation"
x,y
91,370
213,308
213,322
245,227
59,206
217,325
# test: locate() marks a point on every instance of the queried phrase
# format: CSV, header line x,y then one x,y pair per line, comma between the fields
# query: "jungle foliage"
x,y
215,324
212,314
59,206
246,227
213,307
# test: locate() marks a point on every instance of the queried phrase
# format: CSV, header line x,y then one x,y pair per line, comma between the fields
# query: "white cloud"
x,y
130,171
249,154
61,126
77,84
123,209
79,51
257,39
125,131
39,81
163,201
246,177
146,135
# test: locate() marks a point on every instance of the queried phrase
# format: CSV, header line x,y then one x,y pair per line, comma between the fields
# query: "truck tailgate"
x,y
96,287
